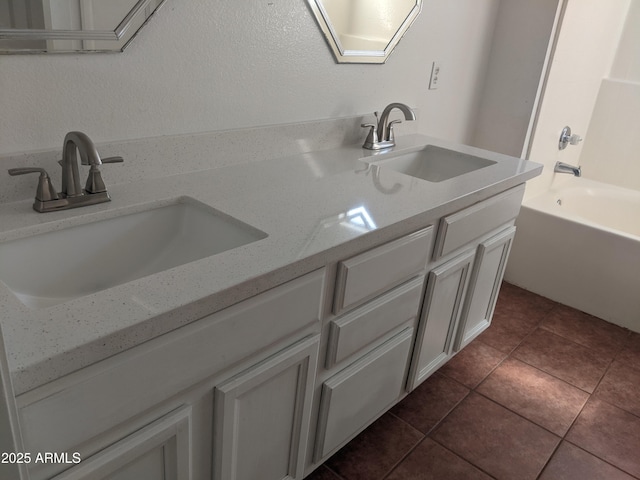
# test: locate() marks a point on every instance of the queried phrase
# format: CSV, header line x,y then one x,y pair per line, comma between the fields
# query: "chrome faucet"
x,y
562,167
381,136
72,194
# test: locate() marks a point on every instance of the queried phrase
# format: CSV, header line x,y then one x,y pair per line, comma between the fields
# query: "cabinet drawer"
x,y
466,225
356,330
356,395
371,273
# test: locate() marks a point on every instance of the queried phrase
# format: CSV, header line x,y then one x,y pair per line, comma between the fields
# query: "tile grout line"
x,y
339,477
590,394
462,458
426,435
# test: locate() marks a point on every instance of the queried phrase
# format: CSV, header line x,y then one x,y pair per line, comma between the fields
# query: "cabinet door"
x,y
488,270
159,451
261,417
446,290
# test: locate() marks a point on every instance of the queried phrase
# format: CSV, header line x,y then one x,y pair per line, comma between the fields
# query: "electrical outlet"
x,y
434,81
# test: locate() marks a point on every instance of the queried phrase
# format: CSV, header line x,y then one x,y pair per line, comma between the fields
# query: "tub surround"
x,y
611,148
300,201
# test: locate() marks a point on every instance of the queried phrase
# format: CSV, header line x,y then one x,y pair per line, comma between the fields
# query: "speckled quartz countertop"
x,y
301,202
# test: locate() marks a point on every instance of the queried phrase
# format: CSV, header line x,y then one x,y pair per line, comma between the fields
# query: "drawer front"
x,y
366,275
356,330
466,225
359,393
62,415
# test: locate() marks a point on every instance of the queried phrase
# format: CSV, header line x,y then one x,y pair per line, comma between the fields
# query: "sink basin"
x,y
51,268
434,164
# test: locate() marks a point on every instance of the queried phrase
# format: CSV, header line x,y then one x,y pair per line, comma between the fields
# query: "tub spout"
x,y
562,167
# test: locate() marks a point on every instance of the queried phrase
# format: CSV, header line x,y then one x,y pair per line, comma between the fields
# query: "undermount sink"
x,y
54,267
431,163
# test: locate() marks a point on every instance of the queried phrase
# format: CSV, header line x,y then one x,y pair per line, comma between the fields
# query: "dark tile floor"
x,y
547,392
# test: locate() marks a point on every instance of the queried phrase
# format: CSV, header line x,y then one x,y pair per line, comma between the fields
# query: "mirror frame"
x,y
359,56
122,35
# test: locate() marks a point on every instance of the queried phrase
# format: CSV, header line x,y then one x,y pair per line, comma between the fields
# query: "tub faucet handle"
x,y
567,138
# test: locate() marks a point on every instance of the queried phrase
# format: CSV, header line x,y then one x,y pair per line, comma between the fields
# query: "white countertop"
x,y
299,201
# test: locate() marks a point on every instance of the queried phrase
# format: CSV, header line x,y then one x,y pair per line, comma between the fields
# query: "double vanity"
x,y
247,321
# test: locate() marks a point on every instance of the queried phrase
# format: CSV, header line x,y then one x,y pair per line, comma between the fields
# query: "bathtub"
x,y
579,244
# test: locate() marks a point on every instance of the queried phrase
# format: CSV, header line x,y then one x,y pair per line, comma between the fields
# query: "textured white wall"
x,y
610,152
202,66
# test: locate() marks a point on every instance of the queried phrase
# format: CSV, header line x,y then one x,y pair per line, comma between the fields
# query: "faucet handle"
x,y
95,183
372,137
112,160
389,133
45,191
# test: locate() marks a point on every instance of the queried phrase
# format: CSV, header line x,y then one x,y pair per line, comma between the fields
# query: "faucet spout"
x,y
562,167
76,142
384,130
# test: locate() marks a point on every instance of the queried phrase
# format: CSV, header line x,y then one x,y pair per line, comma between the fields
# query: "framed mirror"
x,y
49,26
364,31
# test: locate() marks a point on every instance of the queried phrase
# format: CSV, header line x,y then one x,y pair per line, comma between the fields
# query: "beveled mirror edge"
x,y
135,19
356,56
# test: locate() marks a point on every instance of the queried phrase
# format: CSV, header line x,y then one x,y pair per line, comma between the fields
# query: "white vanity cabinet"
x,y
254,361
470,257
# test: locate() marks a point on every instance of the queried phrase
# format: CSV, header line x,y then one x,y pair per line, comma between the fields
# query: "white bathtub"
x,y
579,244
